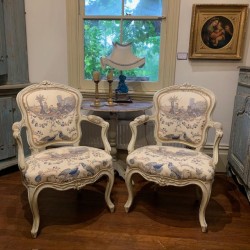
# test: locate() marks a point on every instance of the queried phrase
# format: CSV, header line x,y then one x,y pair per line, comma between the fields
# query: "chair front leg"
x,y
206,192
32,196
129,184
109,187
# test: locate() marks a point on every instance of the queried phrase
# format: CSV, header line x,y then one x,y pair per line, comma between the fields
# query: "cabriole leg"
x,y
109,187
206,192
32,196
129,184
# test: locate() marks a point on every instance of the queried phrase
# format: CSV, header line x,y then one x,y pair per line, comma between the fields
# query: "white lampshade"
x,y
122,58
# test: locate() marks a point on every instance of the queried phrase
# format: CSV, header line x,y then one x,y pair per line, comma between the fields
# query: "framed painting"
x,y
218,31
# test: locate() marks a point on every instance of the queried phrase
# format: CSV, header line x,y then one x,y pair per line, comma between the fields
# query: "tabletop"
x,y
120,107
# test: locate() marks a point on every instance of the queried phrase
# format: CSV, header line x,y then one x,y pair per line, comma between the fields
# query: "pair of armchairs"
x,y
51,115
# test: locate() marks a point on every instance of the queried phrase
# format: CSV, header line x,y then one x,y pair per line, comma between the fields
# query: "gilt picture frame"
x,y
218,31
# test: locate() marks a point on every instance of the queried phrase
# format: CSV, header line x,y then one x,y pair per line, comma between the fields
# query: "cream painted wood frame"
x,y
169,34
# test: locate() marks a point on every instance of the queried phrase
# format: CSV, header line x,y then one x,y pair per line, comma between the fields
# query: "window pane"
x,y
102,8
98,38
143,7
145,38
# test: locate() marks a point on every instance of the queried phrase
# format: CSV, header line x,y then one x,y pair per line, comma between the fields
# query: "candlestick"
x,y
96,78
110,75
110,80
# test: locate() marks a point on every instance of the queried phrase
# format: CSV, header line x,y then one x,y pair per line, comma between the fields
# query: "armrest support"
x,y
218,135
16,128
97,120
133,126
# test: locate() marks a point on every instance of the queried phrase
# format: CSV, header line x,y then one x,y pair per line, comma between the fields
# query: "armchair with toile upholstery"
x,y
51,114
182,116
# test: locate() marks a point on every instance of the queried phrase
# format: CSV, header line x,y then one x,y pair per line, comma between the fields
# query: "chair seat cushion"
x,y
64,164
172,162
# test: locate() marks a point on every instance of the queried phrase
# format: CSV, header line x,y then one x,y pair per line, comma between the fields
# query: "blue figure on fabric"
x,y
122,87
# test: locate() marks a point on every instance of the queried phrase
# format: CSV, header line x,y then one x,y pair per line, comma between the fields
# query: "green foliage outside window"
x,y
99,35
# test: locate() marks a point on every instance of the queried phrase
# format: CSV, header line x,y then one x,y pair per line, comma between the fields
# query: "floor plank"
x,y
166,219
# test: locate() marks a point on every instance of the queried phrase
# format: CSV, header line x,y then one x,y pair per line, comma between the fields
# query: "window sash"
x,y
169,32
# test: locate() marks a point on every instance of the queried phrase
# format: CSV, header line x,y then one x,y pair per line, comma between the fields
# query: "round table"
x,y
134,106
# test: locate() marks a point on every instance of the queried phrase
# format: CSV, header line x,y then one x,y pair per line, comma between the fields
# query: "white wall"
x,y
46,40
220,76
47,54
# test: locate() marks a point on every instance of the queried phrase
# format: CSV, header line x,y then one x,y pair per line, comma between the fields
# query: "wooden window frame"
x,y
140,90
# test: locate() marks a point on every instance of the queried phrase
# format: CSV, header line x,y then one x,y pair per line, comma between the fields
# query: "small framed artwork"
x,y
218,31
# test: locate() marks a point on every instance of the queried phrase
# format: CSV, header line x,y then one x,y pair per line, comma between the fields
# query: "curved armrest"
x,y
218,135
16,128
104,125
133,126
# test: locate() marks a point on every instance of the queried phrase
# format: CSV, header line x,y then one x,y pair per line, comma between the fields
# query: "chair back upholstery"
x,y
51,114
183,114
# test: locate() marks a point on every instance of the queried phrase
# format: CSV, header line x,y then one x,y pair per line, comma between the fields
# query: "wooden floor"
x,y
166,219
